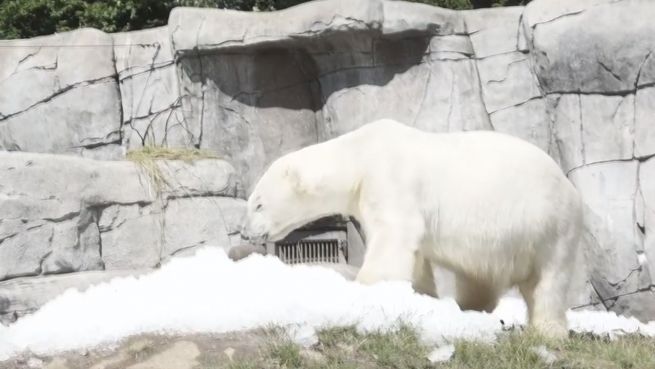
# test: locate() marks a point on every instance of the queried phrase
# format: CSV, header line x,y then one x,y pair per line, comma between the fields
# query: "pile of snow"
x,y
209,293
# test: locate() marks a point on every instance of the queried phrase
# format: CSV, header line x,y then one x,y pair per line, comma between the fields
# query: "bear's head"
x,y
288,195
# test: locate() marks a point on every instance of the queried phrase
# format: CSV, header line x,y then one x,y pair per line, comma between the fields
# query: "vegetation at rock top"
x,y
29,18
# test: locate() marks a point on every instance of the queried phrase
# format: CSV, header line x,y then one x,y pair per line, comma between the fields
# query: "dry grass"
x,y
148,156
150,153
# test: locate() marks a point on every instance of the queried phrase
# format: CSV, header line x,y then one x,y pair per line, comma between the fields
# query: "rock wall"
x,y
62,214
575,78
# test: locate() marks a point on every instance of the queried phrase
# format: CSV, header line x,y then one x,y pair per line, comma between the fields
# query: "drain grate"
x,y
311,251
333,240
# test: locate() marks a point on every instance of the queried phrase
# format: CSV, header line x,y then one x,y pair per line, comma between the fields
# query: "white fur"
x,y
492,208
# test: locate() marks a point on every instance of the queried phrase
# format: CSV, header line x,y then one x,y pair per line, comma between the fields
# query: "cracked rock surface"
x,y
253,86
60,95
150,95
62,214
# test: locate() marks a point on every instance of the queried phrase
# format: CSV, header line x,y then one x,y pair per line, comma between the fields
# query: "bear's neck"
x,y
341,177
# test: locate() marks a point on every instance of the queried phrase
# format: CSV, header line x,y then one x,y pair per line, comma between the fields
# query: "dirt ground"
x,y
152,352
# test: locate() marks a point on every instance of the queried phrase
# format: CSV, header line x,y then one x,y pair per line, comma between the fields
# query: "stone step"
x,y
21,296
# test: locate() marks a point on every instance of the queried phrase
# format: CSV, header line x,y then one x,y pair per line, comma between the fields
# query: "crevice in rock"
x,y
63,218
58,93
12,235
26,58
516,105
506,74
478,77
425,95
637,196
184,248
450,105
621,282
152,116
616,110
88,234
176,104
103,204
634,110
95,145
609,302
41,261
603,93
641,66
52,66
474,57
146,85
520,30
198,144
600,296
554,140
167,126
588,305
203,85
154,66
583,150
327,26
609,70
223,193
639,159
481,95
534,26
530,58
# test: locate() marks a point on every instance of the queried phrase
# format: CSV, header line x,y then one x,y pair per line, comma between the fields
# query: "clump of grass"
x,y
400,349
516,351
629,352
285,354
513,351
346,348
280,351
148,153
147,157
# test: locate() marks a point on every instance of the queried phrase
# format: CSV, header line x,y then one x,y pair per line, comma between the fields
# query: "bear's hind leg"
x,y
475,295
546,294
423,278
546,304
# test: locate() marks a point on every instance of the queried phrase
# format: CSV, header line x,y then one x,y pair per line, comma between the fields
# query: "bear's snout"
x,y
255,239
252,236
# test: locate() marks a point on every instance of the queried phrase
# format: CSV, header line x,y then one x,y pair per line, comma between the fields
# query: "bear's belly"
x,y
501,261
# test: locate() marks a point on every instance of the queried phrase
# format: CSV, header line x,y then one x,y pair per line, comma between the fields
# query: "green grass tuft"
x,y
345,348
516,351
280,351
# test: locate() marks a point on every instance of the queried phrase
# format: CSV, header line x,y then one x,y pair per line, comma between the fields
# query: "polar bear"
x,y
492,208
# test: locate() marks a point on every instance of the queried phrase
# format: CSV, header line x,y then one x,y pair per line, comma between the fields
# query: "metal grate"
x,y
310,251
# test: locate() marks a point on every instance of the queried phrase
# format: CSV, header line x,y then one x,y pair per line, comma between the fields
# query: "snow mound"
x,y
210,293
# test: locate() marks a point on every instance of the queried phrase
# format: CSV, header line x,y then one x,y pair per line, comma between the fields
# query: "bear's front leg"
x,y
391,255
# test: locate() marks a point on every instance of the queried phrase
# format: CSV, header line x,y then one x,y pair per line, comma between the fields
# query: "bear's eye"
x,y
258,207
